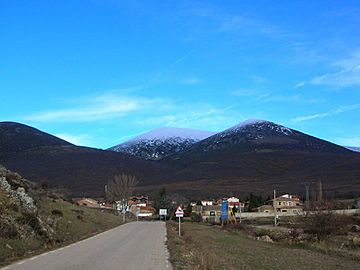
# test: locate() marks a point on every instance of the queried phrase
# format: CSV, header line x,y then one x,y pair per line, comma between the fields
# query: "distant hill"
x,y
161,142
80,171
16,137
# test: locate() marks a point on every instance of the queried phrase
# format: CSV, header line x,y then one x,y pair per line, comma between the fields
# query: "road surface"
x,y
133,246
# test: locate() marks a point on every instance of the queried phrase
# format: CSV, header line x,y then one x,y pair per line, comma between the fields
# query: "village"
x,y
212,210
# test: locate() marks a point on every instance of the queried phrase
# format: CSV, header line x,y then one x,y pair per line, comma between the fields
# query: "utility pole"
x,y
274,205
240,212
124,210
307,190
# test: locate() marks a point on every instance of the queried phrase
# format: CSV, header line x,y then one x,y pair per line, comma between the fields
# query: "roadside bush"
x,y
324,224
30,219
2,209
57,213
294,234
8,228
195,217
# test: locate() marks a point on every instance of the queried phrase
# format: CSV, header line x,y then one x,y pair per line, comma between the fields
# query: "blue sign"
x,y
224,211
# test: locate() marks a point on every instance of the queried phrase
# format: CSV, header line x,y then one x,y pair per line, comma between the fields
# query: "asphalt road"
x,y
135,245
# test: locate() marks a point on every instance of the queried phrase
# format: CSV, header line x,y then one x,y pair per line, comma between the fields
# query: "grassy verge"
x,y
69,223
209,247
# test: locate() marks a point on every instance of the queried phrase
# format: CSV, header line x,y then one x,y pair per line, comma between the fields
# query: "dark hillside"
x,y
16,137
81,171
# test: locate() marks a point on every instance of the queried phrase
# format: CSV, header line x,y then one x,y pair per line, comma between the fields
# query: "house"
x,y
145,211
207,202
288,204
235,202
209,213
265,209
87,202
104,205
136,202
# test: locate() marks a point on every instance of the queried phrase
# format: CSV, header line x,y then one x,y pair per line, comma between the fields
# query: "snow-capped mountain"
x,y
263,136
161,142
355,149
262,155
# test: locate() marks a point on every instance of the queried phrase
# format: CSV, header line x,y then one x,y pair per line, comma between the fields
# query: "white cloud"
x,y
259,79
339,110
300,84
197,116
94,108
80,139
148,112
244,92
192,80
347,74
296,98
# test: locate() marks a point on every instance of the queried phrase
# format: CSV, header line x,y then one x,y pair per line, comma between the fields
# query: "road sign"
x,y
162,212
179,212
224,211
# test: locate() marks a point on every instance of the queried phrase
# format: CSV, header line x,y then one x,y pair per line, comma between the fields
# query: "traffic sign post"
x,y
162,212
179,213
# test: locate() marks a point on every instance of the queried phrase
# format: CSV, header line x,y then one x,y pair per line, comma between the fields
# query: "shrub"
x,y
57,213
30,219
8,228
324,224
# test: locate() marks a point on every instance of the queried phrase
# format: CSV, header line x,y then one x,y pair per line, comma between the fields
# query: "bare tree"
x,y
120,188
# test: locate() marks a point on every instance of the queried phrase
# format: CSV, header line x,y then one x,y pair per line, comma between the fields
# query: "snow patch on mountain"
x,y
161,142
259,125
352,148
165,133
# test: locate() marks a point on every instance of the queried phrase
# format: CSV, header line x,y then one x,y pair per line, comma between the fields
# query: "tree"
x,y
163,201
254,201
120,188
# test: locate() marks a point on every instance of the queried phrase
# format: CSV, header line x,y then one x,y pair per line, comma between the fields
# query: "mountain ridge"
x,y
161,142
46,159
257,156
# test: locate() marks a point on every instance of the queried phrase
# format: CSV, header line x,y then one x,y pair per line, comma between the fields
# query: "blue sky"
x,y
97,72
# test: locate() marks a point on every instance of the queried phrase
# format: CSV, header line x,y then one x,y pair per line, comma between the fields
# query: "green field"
x,y
209,247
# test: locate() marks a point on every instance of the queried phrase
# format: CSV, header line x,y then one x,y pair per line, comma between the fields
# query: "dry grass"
x,y
206,247
70,223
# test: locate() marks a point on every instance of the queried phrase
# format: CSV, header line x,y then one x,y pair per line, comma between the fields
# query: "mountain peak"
x,y
260,126
160,142
171,132
249,122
